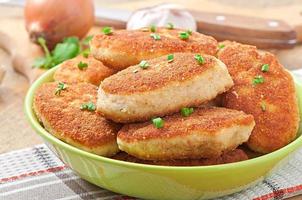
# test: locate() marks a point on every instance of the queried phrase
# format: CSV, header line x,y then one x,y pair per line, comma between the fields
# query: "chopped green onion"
x,y
144,64
199,58
87,39
263,106
85,53
153,28
189,32
61,86
186,111
221,46
82,65
184,35
265,68
88,106
258,80
155,36
170,25
158,122
170,57
107,30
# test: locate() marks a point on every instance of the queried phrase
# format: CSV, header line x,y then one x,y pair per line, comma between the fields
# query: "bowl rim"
x,y
31,118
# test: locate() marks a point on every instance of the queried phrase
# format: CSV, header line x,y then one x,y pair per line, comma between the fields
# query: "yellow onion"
x,y
56,19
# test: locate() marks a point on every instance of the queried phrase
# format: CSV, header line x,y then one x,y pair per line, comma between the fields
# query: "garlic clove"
x,y
161,15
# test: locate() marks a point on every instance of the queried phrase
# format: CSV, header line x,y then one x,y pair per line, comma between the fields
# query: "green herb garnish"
x,y
184,35
170,26
88,106
221,46
86,53
258,80
263,106
61,86
170,57
68,49
189,32
87,39
265,68
153,28
158,122
186,111
82,65
155,36
107,30
199,58
144,64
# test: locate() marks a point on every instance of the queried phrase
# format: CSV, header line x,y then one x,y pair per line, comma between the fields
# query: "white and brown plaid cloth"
x,y
37,174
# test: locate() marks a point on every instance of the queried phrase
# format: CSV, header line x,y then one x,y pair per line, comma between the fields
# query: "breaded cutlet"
x,y
164,87
124,48
206,133
264,89
227,157
63,114
82,69
238,57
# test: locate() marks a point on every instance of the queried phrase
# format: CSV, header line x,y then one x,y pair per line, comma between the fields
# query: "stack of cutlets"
x,y
149,93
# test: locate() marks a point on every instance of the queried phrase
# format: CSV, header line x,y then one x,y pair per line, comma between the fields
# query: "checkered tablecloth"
x,y
37,174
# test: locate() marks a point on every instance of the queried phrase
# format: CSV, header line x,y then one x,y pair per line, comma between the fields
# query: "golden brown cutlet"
x,y
227,157
238,57
206,133
62,115
272,101
124,48
82,69
164,87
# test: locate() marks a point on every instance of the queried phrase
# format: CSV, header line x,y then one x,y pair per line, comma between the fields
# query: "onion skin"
x,y
56,19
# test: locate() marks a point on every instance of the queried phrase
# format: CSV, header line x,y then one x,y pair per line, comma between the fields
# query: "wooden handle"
x,y
264,33
101,21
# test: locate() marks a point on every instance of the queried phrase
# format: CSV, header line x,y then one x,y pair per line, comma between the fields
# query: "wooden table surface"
x,y
15,133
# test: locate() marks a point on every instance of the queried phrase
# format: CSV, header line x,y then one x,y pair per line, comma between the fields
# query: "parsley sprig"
x,y
69,48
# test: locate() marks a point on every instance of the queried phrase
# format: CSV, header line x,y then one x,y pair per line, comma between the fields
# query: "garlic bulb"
x,y
161,15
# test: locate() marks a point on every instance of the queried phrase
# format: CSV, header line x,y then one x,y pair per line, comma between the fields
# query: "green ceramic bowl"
x,y
160,182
